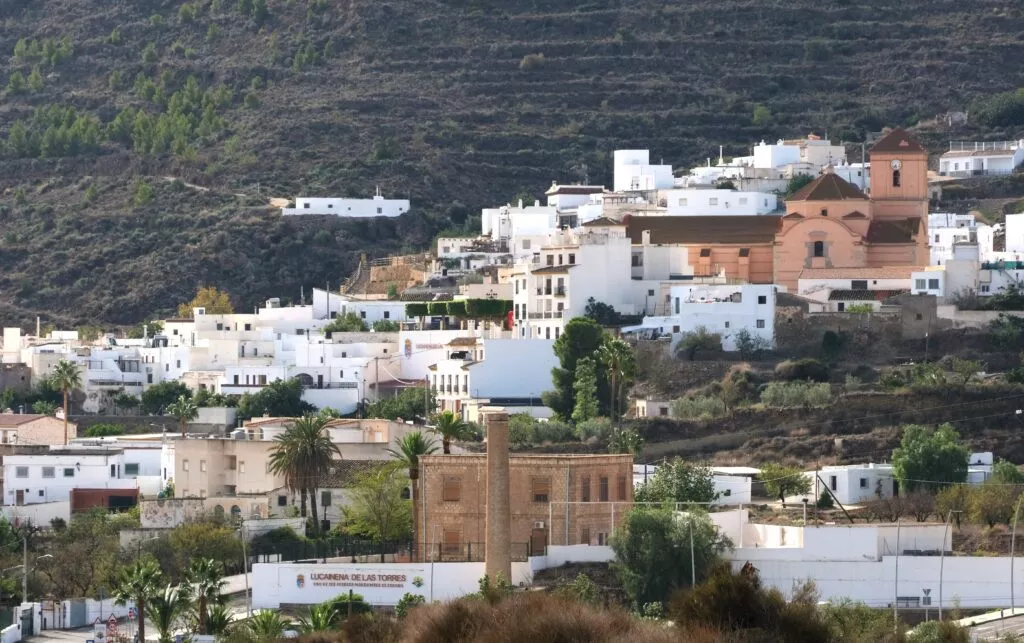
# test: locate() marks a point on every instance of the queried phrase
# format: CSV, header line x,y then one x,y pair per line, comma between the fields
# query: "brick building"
x,y
555,499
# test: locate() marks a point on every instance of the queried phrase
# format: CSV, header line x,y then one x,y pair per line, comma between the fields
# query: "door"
x,y
319,381
19,497
538,542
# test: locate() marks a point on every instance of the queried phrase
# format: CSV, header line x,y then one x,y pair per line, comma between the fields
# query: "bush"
x,y
347,323
408,602
531,62
700,339
802,370
786,394
700,407
825,501
553,431
386,326
101,430
599,428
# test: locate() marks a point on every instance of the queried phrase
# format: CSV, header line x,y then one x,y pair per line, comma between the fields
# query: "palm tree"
x,y
67,378
303,454
219,621
266,625
408,450
138,584
205,581
184,409
322,618
617,357
164,610
450,427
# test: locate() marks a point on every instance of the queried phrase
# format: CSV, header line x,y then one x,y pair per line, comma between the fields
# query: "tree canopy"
x,y
580,340
280,398
781,481
929,458
678,481
216,302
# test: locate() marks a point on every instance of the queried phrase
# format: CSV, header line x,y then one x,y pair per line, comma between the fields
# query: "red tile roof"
x,y
758,229
828,187
14,419
897,140
893,231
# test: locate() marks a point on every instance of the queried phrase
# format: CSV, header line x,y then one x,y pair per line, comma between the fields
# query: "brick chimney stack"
x,y
499,511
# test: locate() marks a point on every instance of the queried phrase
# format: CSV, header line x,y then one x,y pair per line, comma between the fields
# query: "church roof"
x,y
897,140
727,229
893,231
828,187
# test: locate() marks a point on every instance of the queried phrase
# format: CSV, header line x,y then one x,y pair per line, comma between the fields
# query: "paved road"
x,y
996,629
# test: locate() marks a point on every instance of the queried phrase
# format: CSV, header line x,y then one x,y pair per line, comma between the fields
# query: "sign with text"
x,y
308,584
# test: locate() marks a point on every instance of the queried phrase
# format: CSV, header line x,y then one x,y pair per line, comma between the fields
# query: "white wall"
x,y
712,308
718,202
87,472
37,514
513,368
633,171
375,207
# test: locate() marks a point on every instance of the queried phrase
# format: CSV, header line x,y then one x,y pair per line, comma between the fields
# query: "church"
x,y
829,223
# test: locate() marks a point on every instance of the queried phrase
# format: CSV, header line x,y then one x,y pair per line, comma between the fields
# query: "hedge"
x,y
416,310
438,308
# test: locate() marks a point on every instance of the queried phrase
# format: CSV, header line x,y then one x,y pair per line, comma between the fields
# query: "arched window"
x,y
895,178
305,379
819,248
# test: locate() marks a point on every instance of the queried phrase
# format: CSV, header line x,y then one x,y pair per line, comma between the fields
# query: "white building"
x,y
491,373
840,288
328,305
570,268
731,484
963,276
50,477
378,206
992,158
698,202
947,231
634,172
724,310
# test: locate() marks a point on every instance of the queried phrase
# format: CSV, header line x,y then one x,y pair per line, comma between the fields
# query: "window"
x,y
663,411
547,332
602,539
984,288
682,203
179,364
220,326
621,484
263,379
896,178
919,317
451,489
241,467
380,210
819,248
69,473
760,323
113,471
184,465
325,498
387,314
859,284
936,238
559,260
637,261
713,201
762,299
362,314
48,472
585,489
650,293
727,324
282,501
603,489
863,483
21,472
541,489
526,244
202,465
131,468
305,205
705,252
572,258
919,284
585,536
824,212
451,542
551,260
248,327
833,483
933,284
41,493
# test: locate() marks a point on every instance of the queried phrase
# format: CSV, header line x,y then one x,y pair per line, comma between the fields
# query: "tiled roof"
x,y
13,419
893,231
883,272
553,270
574,189
897,140
601,221
969,153
704,229
828,187
463,341
864,295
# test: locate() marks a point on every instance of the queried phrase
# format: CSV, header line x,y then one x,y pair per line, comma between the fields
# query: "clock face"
x,y
896,164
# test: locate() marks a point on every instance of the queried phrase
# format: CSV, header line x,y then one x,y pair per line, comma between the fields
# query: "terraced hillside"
x,y
455,104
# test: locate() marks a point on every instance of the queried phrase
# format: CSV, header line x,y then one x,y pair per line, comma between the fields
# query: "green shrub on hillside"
x,y
700,407
786,394
802,370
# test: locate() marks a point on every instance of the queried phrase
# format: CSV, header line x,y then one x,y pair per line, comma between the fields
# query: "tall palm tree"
x,y
450,427
138,584
303,454
408,450
617,357
321,618
205,580
184,409
67,377
164,610
266,625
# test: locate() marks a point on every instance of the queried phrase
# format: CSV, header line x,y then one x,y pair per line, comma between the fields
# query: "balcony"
x,y
560,291
551,314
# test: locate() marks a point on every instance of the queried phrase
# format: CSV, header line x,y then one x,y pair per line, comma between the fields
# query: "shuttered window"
x,y
585,489
541,489
604,489
451,489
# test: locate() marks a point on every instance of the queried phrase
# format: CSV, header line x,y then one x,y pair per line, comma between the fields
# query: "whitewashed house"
x,y
633,172
840,288
992,158
711,202
378,206
50,476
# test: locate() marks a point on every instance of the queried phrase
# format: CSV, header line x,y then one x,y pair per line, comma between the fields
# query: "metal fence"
x,y
365,550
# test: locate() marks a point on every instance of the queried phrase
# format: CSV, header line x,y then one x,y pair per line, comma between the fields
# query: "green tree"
x,y
67,377
142,193
16,83
43,407
303,454
1005,472
967,368
149,54
184,410
626,441
407,603
797,183
585,390
652,552
953,500
386,326
139,584
407,451
377,510
219,622
679,481
762,115
205,580
992,503
158,397
347,323
409,404
216,302
450,427
35,79
164,610
699,339
617,358
781,481
280,398
104,429
580,339
928,458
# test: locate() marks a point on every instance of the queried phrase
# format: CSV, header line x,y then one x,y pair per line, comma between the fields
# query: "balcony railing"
x,y
560,291
551,314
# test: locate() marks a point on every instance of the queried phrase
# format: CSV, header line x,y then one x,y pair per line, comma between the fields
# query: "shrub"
x,y
104,429
783,394
531,62
749,345
700,407
408,602
599,428
386,326
149,54
553,431
700,339
825,501
802,370
347,323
